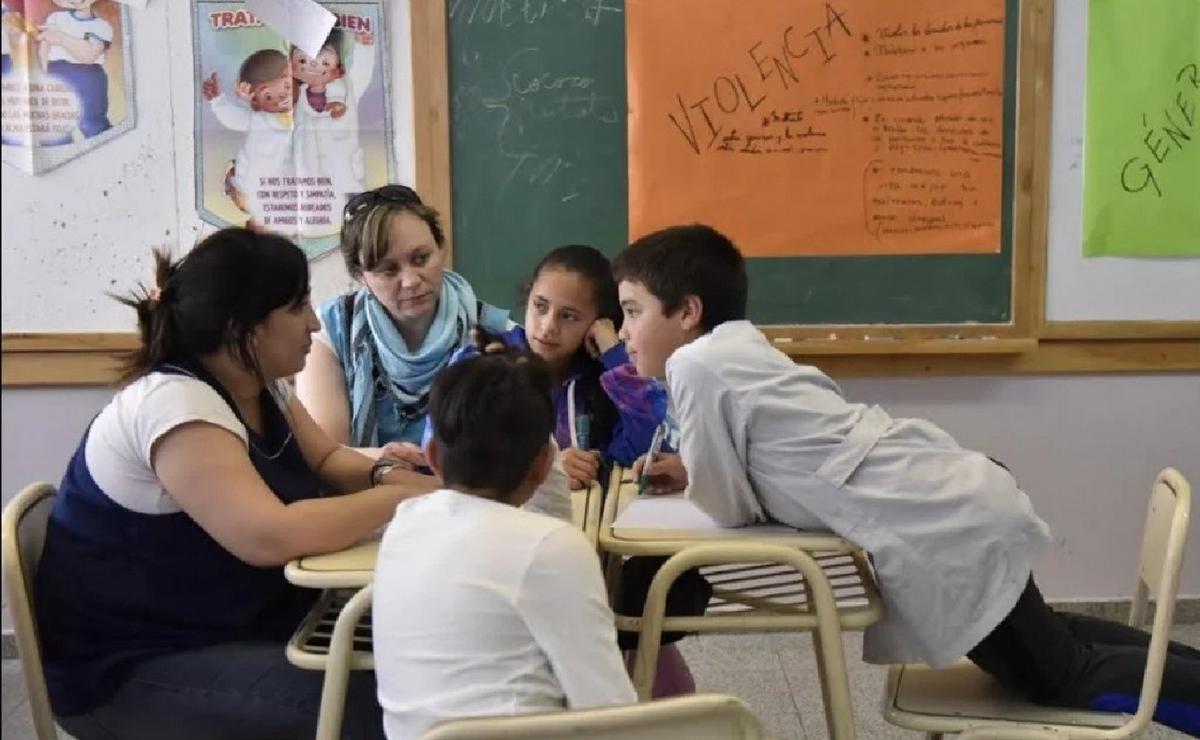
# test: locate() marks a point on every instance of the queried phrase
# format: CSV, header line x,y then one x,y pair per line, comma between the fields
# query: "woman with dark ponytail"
x,y
160,596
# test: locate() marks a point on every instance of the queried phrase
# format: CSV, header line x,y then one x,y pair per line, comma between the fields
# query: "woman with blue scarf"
x,y
367,380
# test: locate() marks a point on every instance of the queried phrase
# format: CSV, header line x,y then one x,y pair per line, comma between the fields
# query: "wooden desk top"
x,y
637,540
354,567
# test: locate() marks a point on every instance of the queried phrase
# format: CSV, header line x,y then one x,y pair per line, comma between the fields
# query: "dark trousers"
x,y
1071,660
234,691
687,597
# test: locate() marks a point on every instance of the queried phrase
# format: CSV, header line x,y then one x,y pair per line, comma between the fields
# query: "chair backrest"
x,y
697,717
1158,576
24,534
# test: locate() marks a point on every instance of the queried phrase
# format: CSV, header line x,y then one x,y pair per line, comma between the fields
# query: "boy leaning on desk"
x,y
952,537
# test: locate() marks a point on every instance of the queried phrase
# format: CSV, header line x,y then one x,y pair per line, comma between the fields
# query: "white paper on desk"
x,y
302,22
677,512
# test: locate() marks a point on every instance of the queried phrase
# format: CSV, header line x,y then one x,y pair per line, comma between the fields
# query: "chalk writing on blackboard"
x,y
538,110
515,13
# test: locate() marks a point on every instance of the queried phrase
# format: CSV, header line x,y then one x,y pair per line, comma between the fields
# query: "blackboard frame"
x,y
1029,208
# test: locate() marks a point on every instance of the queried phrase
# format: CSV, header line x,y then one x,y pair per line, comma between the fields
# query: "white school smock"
x,y
951,536
481,608
328,147
266,151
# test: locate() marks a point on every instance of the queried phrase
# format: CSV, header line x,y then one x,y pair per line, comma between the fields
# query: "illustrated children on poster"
x,y
71,46
328,91
263,110
303,130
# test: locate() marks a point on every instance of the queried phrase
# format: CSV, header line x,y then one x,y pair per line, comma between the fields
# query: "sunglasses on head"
x,y
401,194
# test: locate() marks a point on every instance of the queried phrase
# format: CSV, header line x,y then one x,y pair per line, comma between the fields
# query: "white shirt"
x,y
65,21
951,535
123,435
481,608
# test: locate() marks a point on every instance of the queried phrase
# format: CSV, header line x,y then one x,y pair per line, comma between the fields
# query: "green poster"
x,y
1141,190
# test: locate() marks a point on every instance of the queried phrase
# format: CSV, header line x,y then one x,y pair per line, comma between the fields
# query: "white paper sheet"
x,y
677,512
302,22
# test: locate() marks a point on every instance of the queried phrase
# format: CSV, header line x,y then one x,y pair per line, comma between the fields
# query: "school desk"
x,y
766,578
342,573
354,567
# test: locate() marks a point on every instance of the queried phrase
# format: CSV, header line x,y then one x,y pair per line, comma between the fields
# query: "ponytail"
x,y
155,323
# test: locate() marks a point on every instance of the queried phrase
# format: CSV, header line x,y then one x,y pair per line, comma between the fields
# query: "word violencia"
x,y
700,122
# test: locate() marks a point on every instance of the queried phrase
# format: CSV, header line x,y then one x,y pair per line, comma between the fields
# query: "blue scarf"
x,y
377,350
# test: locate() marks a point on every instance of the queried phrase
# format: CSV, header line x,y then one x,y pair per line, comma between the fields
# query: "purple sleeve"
x,y
641,406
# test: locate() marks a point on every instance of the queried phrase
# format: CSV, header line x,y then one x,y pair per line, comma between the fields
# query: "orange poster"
x,y
807,127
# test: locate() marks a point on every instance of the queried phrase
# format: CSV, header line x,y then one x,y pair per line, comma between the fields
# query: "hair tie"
x,y
155,295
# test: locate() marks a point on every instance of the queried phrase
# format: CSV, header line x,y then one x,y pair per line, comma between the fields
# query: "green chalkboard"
x,y
538,152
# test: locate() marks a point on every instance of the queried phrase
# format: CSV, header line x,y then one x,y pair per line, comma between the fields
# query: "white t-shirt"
x,y
481,608
123,435
80,28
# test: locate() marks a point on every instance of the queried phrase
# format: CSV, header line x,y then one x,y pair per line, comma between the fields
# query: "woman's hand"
x,y
581,466
601,337
405,452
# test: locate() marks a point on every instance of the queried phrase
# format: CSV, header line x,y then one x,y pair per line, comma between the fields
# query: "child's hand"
x,y
485,343
15,25
366,38
405,452
209,87
336,110
51,36
666,473
582,466
601,337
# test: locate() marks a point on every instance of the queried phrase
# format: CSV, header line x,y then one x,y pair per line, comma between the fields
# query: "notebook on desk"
x,y
674,512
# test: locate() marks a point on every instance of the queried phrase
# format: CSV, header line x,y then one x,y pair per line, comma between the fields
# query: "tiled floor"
x,y
774,674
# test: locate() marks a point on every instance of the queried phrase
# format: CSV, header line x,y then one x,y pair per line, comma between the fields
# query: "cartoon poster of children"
x,y
67,79
284,137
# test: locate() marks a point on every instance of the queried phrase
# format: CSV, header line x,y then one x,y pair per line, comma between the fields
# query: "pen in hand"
x,y
656,443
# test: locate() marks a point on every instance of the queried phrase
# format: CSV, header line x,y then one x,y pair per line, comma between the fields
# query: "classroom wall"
x,y
1084,447
87,227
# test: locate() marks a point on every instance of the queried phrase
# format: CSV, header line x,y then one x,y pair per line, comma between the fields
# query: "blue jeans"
x,y
90,83
232,691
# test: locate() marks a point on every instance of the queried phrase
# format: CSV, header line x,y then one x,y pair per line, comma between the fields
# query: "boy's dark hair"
x,y
262,66
491,416
593,266
689,260
214,297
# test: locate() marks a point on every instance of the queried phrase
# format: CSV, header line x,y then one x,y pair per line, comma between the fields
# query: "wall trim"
x,y
32,360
